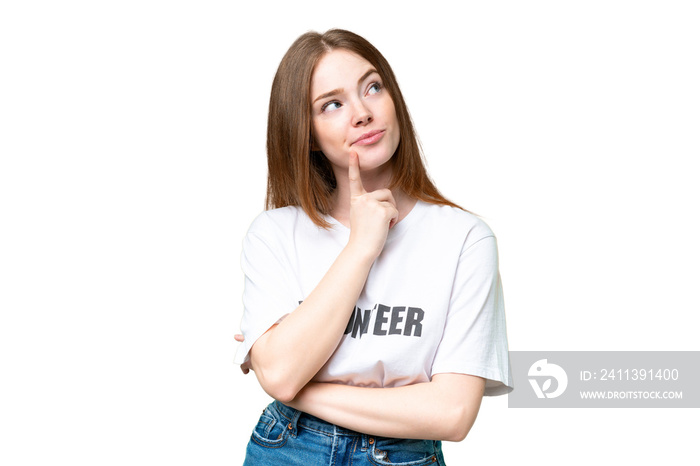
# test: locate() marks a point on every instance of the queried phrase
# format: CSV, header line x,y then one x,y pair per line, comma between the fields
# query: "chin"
x,y
374,157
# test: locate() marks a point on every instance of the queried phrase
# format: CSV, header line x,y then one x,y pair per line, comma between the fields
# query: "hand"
x,y
371,214
245,367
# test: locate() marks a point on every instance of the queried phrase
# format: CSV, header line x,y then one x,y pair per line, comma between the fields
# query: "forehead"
x,y
337,69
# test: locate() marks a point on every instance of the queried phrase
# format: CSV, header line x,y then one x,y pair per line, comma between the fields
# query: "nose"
x,y
362,115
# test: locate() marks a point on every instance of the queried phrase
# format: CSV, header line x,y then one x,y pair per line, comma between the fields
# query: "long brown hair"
x,y
298,175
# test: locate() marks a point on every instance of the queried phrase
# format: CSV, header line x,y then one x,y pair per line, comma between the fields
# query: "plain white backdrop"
x,y
132,137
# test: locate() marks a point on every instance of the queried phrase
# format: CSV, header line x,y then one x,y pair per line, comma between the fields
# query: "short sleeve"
x,y
269,292
474,340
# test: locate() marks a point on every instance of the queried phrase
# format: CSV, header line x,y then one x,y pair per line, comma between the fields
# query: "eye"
x,y
330,106
374,88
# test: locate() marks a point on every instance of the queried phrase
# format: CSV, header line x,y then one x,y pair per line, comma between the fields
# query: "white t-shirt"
x,y
432,303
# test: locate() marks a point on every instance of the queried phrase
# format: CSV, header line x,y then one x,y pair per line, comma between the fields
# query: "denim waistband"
x,y
299,418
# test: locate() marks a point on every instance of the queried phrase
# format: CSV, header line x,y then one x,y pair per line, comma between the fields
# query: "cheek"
x,y
391,120
328,135
390,112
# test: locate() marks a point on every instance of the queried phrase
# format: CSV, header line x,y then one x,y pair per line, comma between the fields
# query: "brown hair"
x,y
298,175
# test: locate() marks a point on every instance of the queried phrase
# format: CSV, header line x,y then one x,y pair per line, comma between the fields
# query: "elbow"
x,y
461,420
459,399
278,387
275,379
457,434
283,394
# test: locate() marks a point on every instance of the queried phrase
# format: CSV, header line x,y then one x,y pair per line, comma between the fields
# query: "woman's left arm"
x,y
443,409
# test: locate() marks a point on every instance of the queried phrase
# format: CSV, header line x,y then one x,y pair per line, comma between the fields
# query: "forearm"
x,y
443,409
291,353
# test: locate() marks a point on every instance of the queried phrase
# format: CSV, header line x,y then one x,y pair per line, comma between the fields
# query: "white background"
x,y
132,137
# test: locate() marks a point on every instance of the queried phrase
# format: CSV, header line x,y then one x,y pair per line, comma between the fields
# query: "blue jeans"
x,y
287,437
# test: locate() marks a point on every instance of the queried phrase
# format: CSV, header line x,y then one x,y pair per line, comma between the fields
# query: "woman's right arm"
x,y
291,352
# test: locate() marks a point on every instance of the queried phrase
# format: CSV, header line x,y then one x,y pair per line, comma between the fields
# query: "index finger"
x,y
356,188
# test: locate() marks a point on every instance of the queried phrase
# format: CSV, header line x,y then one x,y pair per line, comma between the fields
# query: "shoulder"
x,y
451,221
271,232
270,222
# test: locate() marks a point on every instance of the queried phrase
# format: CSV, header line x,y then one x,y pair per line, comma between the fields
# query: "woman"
x,y
373,305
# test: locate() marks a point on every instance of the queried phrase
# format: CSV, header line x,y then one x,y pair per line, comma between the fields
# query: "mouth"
x,y
369,138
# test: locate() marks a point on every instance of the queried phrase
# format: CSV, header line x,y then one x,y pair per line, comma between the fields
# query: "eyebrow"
x,y
340,89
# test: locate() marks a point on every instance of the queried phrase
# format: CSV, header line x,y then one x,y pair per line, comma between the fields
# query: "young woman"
x,y
373,310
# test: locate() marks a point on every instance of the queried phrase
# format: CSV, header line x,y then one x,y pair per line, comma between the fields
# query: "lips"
x,y
369,138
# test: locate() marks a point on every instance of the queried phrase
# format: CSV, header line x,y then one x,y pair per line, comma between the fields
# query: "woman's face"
x,y
351,111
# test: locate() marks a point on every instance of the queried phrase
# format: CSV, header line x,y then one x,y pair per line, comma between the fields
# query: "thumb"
x,y
356,188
